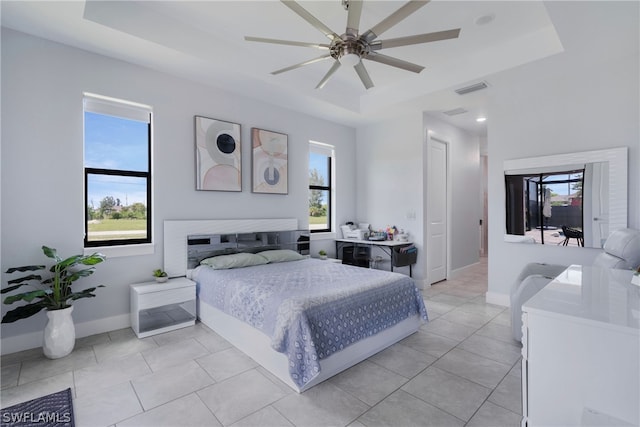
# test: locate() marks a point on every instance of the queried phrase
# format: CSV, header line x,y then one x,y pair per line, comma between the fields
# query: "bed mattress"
x,y
310,308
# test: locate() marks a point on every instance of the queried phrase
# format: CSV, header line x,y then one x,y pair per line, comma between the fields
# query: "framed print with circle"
x,y
269,161
218,155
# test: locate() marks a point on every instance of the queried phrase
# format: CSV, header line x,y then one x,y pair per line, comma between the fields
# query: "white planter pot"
x,y
59,334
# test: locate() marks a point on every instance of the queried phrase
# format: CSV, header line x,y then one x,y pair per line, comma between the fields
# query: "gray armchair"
x,y
621,250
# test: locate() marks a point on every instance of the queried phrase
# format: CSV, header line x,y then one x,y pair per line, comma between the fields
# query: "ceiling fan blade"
x,y
394,62
419,38
287,42
302,64
393,19
327,76
353,17
364,75
304,14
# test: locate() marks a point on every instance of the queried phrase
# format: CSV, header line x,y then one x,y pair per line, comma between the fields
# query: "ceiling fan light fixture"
x,y
349,59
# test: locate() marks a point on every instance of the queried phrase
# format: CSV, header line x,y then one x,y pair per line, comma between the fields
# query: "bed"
x,y
302,319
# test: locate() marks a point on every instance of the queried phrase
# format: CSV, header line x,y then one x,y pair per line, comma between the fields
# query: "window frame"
x,y
329,152
129,111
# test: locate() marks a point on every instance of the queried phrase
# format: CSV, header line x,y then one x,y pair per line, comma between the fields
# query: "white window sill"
x,y
122,251
331,235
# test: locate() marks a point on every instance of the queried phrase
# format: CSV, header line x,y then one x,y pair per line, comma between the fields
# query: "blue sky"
x,y
115,143
563,189
319,162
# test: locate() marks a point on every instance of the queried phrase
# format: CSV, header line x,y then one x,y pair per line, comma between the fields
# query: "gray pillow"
x,y
281,255
224,262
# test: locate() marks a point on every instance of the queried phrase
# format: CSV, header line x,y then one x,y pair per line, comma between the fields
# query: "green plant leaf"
x,y
25,268
80,273
23,312
93,259
13,288
51,253
69,262
86,293
25,279
25,296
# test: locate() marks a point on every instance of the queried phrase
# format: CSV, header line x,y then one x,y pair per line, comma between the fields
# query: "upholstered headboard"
x,y
177,232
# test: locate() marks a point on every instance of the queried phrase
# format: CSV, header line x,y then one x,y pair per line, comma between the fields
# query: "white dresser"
x,y
581,350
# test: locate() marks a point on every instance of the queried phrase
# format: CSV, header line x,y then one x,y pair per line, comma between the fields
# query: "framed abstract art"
x,y
269,161
218,155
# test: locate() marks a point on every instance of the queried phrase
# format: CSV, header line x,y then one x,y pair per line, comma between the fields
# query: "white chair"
x,y
621,250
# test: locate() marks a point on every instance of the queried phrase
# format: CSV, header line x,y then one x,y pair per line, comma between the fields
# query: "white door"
x,y
437,210
600,203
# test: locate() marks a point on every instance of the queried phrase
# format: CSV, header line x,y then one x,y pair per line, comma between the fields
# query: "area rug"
x,y
53,410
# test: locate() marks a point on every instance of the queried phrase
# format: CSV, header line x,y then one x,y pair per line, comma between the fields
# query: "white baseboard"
x,y
498,299
84,329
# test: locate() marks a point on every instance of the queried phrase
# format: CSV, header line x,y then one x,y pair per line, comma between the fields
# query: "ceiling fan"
x,y
351,47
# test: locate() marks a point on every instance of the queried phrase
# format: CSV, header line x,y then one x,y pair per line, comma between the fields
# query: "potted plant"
x,y
161,276
54,293
635,279
322,253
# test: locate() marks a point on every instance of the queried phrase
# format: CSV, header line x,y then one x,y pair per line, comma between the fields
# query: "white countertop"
x,y
375,242
586,293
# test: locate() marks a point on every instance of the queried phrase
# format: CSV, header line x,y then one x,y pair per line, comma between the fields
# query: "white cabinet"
x,y
162,307
581,350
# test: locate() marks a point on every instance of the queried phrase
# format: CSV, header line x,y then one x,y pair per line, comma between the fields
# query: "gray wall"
x,y
586,98
389,165
391,157
42,164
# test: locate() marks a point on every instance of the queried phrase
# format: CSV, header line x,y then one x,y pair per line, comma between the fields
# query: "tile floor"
x,y
462,368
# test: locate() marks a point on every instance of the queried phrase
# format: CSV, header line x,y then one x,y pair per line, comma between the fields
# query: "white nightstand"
x,y
162,307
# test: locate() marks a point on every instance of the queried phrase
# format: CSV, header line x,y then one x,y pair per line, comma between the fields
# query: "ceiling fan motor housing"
x,y
348,44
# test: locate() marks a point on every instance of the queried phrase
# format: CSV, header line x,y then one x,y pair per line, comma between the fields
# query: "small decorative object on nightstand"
x,y
157,308
323,254
160,276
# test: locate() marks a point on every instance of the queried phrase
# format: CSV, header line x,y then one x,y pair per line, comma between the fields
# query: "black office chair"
x,y
572,233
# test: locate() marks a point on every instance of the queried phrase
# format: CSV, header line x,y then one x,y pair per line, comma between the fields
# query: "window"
x,y
117,172
320,183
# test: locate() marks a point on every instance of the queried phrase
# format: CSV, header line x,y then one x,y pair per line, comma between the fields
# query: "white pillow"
x,y
224,262
281,255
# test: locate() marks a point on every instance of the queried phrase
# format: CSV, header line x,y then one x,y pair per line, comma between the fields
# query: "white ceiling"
x,y
204,41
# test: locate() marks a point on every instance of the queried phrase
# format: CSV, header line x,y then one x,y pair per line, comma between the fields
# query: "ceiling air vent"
x,y
455,111
471,88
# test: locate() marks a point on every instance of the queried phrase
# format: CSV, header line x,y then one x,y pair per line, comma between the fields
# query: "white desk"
x,y
581,350
387,247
